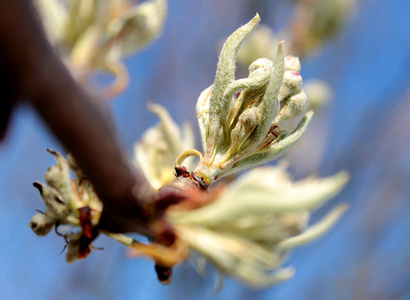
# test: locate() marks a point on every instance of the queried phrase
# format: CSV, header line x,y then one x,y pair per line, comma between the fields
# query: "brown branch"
x,y
35,73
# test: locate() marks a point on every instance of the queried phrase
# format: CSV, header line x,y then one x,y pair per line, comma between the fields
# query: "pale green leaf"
x,y
225,75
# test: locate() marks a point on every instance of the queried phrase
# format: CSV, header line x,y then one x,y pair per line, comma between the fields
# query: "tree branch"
x,y
81,123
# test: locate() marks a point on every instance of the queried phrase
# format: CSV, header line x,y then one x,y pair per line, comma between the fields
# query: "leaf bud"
x,y
292,63
41,224
295,106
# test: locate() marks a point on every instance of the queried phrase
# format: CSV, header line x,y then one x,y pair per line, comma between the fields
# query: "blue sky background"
x,y
365,130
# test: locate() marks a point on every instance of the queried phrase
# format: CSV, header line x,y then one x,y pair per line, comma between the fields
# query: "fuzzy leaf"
x,y
251,196
269,106
225,75
316,230
202,114
274,151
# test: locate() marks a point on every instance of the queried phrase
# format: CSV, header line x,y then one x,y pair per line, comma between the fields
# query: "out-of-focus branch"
x,y
298,30
36,74
315,21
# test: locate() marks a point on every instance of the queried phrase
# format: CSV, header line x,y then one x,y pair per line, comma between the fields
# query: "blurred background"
x,y
364,129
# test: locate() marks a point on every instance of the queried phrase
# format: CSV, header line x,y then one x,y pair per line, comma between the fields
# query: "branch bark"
x,y
31,70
